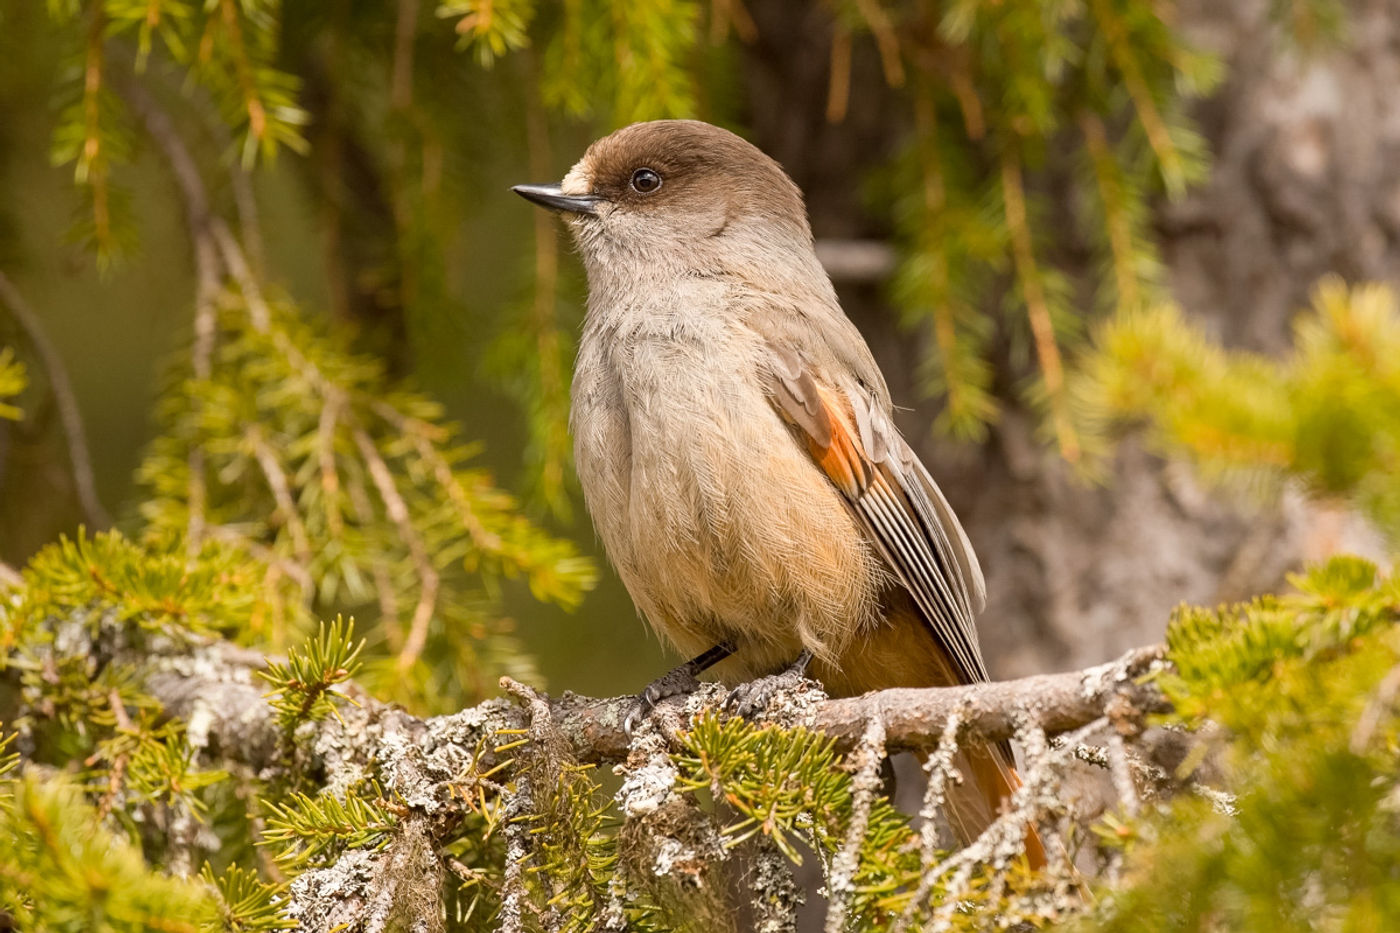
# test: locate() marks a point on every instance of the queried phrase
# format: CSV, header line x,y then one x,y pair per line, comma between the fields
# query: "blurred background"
x,y
264,288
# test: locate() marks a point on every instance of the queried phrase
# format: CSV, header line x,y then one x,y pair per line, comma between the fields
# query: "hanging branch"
x,y
1120,234
1158,136
1037,306
934,203
549,423
69,414
209,273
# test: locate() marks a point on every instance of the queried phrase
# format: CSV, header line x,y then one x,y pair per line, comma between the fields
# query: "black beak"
x,y
551,197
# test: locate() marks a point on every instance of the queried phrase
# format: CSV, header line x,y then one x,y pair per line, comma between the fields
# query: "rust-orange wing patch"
x,y
822,423
884,486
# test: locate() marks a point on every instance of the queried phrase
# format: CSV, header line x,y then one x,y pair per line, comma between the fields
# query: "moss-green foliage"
x,y
61,871
13,381
358,492
1304,687
1328,414
87,613
789,787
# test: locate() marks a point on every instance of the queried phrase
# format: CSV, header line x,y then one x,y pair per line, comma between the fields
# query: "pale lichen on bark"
x,y
673,848
866,760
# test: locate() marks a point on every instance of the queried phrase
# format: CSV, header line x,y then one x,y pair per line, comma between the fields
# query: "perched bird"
x,y
735,445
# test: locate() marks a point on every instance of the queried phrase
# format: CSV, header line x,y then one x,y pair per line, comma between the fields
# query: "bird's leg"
x,y
751,698
678,681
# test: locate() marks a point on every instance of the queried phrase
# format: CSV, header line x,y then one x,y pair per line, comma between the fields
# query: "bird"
x,y
735,444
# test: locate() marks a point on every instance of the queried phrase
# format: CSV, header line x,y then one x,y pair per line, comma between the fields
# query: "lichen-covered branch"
x,y
216,690
428,767
1055,703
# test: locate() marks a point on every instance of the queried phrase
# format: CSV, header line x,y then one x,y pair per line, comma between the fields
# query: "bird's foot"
x,y
679,681
674,683
752,698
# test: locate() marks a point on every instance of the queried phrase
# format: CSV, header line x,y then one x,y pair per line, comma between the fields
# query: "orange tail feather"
x,y
988,783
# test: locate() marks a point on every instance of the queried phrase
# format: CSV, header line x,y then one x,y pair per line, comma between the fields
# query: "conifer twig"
x,y
245,202
281,488
869,754
296,572
727,13
92,162
1158,136
551,422
886,40
422,434
1120,237
69,415
237,263
1037,305
935,201
428,578
209,273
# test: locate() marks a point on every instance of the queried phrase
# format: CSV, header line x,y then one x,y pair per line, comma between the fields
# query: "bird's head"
x,y
676,197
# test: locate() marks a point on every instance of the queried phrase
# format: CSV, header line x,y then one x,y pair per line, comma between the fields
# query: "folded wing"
x,y
893,497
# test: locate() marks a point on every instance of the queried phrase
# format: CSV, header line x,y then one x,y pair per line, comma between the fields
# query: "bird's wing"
x,y
893,497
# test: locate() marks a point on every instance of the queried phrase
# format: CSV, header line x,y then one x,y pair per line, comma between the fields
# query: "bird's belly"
x,y
721,526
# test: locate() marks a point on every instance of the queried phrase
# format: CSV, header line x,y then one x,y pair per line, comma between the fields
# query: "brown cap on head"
x,y
676,167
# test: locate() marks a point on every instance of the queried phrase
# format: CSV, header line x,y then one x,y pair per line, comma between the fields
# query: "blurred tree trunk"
x,y
1305,182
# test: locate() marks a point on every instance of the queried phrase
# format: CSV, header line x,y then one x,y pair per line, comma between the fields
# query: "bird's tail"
x,y
988,783
900,653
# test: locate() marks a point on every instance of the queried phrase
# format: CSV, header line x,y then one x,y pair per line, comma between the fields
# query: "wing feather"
x,y
895,500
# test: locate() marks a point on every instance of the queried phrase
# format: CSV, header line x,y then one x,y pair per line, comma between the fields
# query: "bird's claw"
x,y
750,699
679,681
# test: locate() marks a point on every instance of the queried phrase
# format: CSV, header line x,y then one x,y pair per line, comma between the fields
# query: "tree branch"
x,y
430,766
1056,703
209,272
218,690
69,415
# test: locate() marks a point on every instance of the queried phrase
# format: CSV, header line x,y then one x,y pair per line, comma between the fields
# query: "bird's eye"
x,y
645,181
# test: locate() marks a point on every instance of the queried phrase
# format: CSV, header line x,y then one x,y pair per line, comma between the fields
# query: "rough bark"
x,y
426,765
217,693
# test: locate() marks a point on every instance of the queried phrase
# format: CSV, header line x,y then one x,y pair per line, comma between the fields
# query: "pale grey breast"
x,y
716,519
